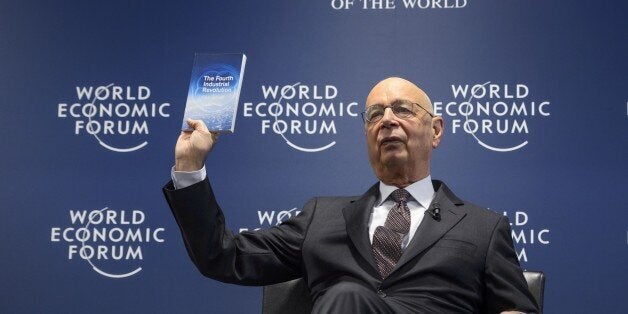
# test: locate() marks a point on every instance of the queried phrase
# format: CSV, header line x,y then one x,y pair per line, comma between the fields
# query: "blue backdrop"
x,y
533,93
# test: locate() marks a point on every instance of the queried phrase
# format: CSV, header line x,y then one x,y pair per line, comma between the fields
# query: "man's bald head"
x,y
393,86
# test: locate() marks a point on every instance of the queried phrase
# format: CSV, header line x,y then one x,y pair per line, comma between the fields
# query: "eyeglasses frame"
x,y
363,113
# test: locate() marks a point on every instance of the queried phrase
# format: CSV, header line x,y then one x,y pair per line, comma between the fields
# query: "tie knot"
x,y
400,195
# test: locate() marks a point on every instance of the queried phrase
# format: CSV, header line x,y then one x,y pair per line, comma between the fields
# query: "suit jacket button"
x,y
381,293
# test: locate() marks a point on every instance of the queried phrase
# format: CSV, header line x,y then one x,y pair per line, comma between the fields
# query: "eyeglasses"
x,y
403,110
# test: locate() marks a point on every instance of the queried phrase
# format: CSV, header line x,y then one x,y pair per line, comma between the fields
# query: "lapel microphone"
x,y
434,211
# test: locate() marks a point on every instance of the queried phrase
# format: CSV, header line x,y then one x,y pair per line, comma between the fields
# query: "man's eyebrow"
x,y
400,101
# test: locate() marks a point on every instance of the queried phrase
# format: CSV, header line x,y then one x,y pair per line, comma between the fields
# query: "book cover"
x,y
214,90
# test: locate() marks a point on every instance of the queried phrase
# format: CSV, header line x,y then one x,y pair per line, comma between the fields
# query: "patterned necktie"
x,y
387,238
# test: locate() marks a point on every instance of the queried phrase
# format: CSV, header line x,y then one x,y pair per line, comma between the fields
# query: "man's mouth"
x,y
391,140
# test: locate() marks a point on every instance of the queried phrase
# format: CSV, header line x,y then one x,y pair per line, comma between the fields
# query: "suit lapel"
x,y
357,216
430,230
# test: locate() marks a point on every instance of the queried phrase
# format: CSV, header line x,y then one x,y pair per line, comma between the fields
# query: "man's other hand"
x,y
193,146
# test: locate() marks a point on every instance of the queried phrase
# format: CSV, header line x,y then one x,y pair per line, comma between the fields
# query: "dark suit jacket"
x,y
462,263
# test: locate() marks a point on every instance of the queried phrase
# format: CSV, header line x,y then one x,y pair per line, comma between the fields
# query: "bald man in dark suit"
x,y
407,245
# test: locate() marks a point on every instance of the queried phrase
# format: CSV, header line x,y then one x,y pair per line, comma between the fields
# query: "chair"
x,y
293,297
536,284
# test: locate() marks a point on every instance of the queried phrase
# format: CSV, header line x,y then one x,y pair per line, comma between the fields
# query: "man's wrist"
x,y
187,165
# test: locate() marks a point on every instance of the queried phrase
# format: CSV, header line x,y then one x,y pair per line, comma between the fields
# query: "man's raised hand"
x,y
193,146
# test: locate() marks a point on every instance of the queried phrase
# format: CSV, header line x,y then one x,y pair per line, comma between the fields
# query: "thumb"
x,y
197,125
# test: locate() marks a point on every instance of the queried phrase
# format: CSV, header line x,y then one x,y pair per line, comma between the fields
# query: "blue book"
x,y
214,90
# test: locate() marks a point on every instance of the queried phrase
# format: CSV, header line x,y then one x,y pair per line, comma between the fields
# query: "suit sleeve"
x,y
505,286
248,258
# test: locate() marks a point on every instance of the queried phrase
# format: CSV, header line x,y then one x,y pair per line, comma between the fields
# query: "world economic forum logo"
x,y
499,117
117,117
303,115
526,235
270,218
111,241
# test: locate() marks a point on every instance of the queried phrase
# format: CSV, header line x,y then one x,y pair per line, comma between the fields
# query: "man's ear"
x,y
438,127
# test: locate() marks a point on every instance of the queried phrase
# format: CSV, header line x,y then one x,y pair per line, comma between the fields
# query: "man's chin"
x,y
391,159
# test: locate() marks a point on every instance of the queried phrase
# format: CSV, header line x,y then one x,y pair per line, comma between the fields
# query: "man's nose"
x,y
389,119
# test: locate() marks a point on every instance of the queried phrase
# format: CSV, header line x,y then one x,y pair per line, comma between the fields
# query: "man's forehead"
x,y
393,90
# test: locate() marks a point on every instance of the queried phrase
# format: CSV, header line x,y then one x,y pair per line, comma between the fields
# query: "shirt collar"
x,y
422,191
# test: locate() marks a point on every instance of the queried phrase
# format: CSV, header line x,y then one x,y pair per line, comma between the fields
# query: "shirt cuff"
x,y
183,179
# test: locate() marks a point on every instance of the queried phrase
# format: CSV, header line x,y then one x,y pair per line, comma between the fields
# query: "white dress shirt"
x,y
183,179
421,192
